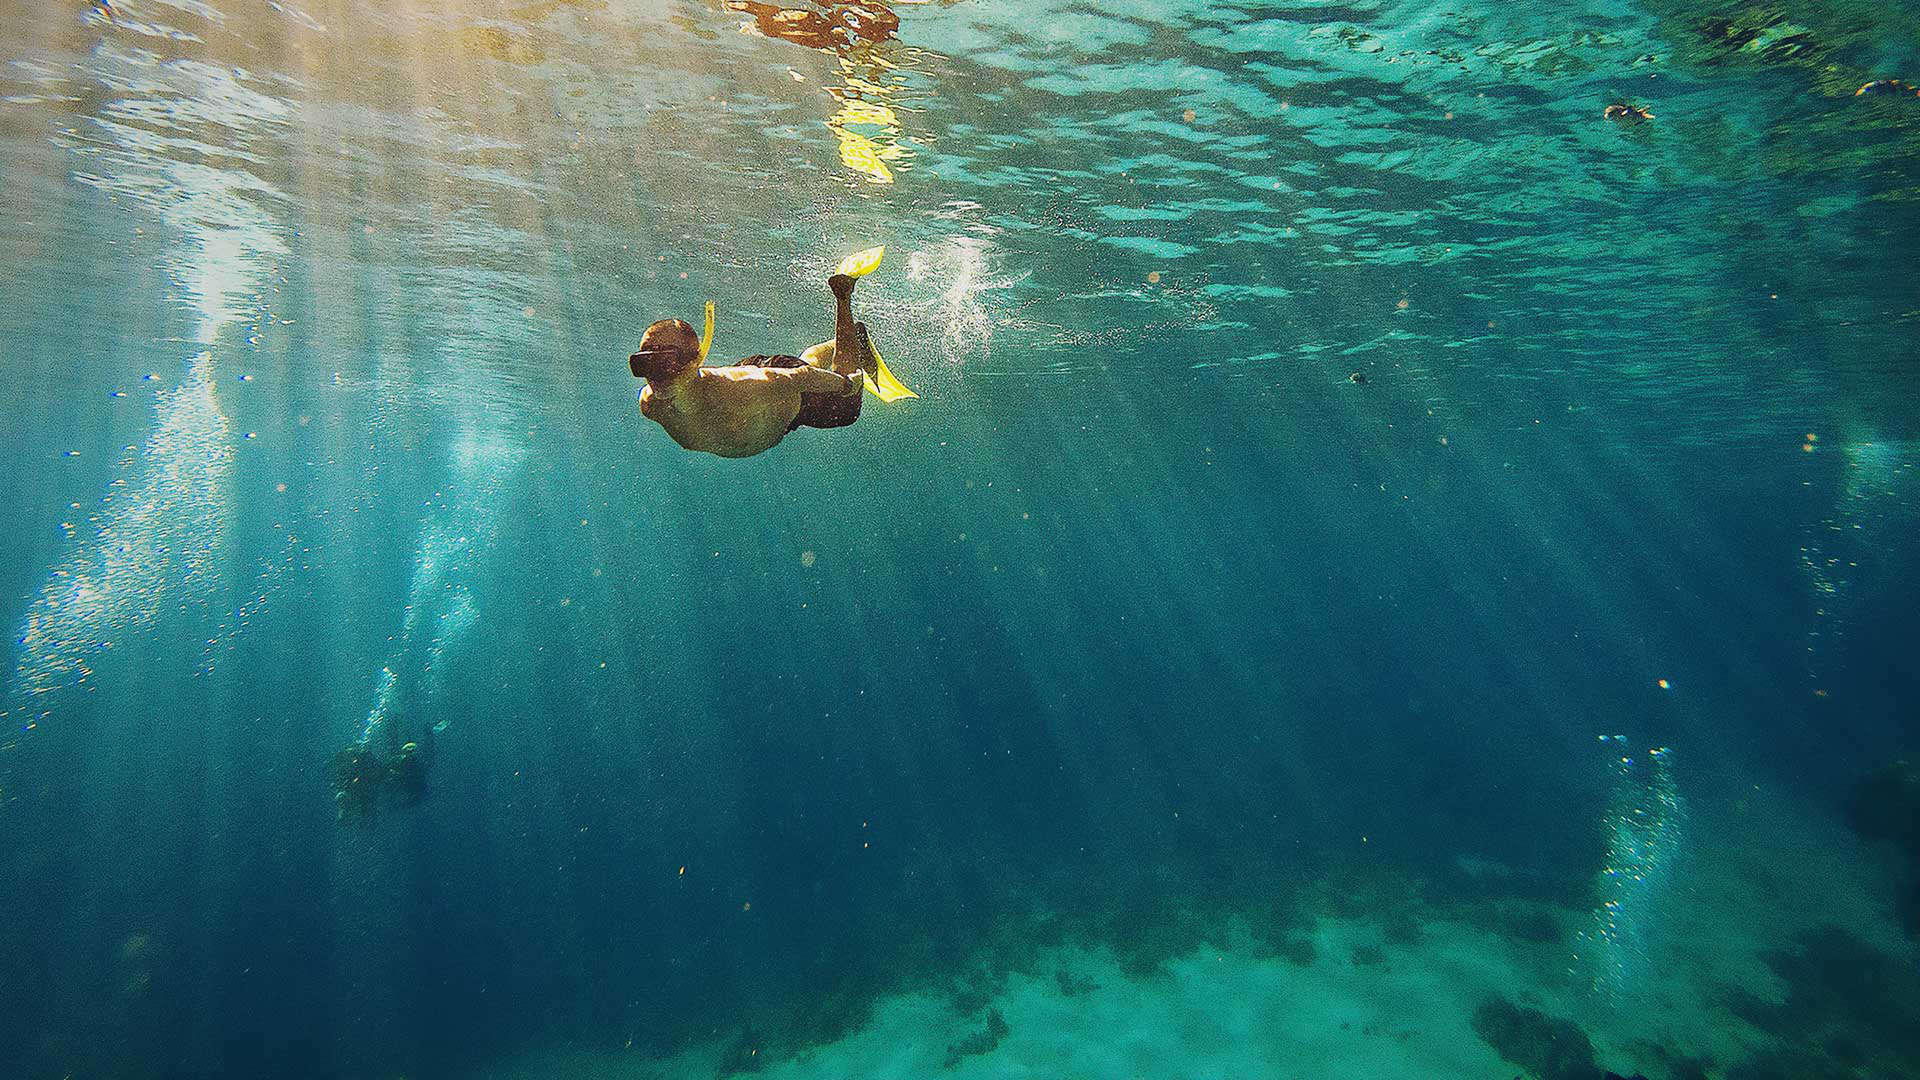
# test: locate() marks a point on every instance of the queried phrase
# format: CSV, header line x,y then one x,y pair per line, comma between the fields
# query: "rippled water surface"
x,y
1375,518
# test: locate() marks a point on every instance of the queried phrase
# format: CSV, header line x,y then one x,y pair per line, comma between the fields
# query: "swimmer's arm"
x,y
814,380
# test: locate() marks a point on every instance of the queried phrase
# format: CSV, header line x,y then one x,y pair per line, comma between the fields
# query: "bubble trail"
x,y
1645,830
441,610
157,537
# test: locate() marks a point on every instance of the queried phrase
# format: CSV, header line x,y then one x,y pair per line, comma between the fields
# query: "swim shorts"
x,y
816,410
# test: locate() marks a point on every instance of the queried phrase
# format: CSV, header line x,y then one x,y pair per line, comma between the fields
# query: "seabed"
x,y
1366,974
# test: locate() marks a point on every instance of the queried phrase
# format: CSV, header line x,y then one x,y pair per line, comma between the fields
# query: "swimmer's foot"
x,y
842,285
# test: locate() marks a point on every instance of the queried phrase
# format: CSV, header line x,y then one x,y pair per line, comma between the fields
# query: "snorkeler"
x,y
747,407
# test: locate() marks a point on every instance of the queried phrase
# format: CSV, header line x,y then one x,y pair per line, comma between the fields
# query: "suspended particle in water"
x,y
807,558
1188,116
1153,277
1664,685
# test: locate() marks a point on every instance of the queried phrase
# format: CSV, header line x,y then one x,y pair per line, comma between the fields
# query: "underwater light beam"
x,y
159,536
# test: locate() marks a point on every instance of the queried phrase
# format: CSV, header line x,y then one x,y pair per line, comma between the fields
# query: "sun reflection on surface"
x,y
867,124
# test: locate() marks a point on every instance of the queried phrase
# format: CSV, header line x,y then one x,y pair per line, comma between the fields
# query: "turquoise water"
x,y
1385,559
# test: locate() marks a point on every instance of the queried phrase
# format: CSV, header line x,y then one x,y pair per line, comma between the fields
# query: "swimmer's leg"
x,y
820,356
849,349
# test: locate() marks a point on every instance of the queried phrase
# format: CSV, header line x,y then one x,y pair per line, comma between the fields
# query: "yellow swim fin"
x,y
883,384
861,263
706,333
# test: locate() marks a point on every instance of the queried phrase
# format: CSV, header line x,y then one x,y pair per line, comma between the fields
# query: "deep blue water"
x,y
312,324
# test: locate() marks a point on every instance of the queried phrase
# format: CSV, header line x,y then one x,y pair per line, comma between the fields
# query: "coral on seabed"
x,y
1546,1046
980,1042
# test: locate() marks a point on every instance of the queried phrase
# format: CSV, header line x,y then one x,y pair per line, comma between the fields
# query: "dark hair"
x,y
668,348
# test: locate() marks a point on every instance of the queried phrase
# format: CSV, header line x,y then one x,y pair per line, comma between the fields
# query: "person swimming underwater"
x,y
360,777
746,408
